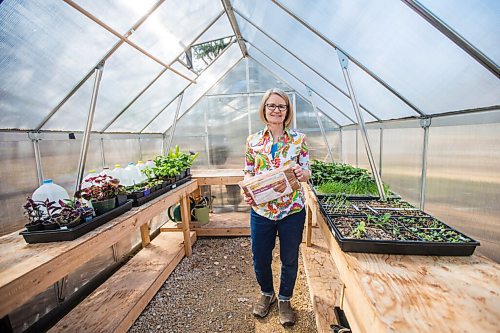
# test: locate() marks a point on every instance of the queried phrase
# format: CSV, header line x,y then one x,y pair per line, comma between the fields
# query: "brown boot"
x,y
263,305
287,316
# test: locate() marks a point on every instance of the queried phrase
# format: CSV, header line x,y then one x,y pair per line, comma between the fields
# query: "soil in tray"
x,y
339,205
402,212
383,204
349,227
421,222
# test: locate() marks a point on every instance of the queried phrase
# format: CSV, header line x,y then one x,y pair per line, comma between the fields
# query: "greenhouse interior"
x,y
402,231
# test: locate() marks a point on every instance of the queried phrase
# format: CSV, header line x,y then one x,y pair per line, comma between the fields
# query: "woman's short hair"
x,y
289,107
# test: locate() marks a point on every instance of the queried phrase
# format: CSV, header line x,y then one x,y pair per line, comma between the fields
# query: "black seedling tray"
x,y
59,235
417,247
142,200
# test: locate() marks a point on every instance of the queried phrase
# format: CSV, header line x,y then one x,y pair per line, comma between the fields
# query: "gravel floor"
x,y
213,291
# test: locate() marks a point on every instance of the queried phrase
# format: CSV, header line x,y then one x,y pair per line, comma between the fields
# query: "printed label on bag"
x,y
271,188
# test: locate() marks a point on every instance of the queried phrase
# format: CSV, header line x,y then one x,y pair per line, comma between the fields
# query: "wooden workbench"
x,y
405,293
29,269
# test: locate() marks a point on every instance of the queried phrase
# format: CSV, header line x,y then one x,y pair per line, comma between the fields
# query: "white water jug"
x,y
51,191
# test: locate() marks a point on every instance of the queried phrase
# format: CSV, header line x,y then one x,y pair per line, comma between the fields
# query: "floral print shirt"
x,y
292,146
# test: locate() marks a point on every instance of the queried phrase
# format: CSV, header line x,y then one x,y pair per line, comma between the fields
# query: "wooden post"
x,y
186,218
145,234
308,226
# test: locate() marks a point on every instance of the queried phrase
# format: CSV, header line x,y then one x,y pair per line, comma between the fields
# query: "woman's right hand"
x,y
249,200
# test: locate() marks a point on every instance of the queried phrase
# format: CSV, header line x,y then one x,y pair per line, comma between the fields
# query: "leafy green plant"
x,y
343,179
171,165
358,232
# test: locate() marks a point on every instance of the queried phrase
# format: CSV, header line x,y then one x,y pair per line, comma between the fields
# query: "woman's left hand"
x,y
300,173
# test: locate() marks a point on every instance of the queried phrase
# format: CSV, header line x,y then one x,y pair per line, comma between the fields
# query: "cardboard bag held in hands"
x,y
271,185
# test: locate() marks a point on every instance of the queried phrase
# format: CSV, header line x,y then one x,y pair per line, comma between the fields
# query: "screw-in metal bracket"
x,y
344,60
35,136
425,122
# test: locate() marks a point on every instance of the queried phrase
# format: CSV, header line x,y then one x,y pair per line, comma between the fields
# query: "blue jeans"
x,y
263,234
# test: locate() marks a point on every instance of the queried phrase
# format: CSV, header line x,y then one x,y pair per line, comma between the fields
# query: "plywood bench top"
x,y
408,293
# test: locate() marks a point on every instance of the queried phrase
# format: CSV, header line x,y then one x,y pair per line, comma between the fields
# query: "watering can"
x,y
174,211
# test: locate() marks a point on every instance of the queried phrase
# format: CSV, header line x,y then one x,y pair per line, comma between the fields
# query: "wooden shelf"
x,y
29,269
218,176
116,304
221,224
405,293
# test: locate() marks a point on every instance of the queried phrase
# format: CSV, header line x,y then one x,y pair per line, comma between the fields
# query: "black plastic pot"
x,y
104,206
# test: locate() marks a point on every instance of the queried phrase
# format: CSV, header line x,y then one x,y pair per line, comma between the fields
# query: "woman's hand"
x,y
249,200
302,175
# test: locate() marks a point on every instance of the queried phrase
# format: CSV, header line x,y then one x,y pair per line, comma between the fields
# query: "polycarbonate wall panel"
x,y
317,147
389,38
255,123
173,26
402,161
293,82
60,162
121,151
227,143
150,148
261,79
18,179
476,21
463,181
119,15
46,49
349,147
374,139
126,73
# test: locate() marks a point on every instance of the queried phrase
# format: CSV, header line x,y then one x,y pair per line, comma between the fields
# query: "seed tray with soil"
x,y
382,233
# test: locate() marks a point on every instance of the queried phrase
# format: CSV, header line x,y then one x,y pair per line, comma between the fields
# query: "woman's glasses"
x,y
272,107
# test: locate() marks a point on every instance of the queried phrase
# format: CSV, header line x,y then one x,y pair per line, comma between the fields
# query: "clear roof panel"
x,y
183,70
119,15
325,61
297,86
205,81
44,53
403,49
162,92
173,26
166,117
220,29
305,74
126,73
234,82
476,21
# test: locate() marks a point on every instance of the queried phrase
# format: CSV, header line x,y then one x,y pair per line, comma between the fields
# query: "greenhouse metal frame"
x,y
408,89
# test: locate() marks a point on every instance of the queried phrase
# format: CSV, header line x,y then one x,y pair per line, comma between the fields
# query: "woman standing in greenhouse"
x,y
275,146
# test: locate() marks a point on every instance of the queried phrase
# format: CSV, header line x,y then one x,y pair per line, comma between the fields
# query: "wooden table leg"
x,y
186,218
308,226
145,234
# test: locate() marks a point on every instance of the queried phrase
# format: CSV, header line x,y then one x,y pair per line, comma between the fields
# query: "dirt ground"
x,y
213,291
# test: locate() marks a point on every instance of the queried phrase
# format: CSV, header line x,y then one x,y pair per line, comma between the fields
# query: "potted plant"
x,y
121,195
35,213
102,193
52,220
73,212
